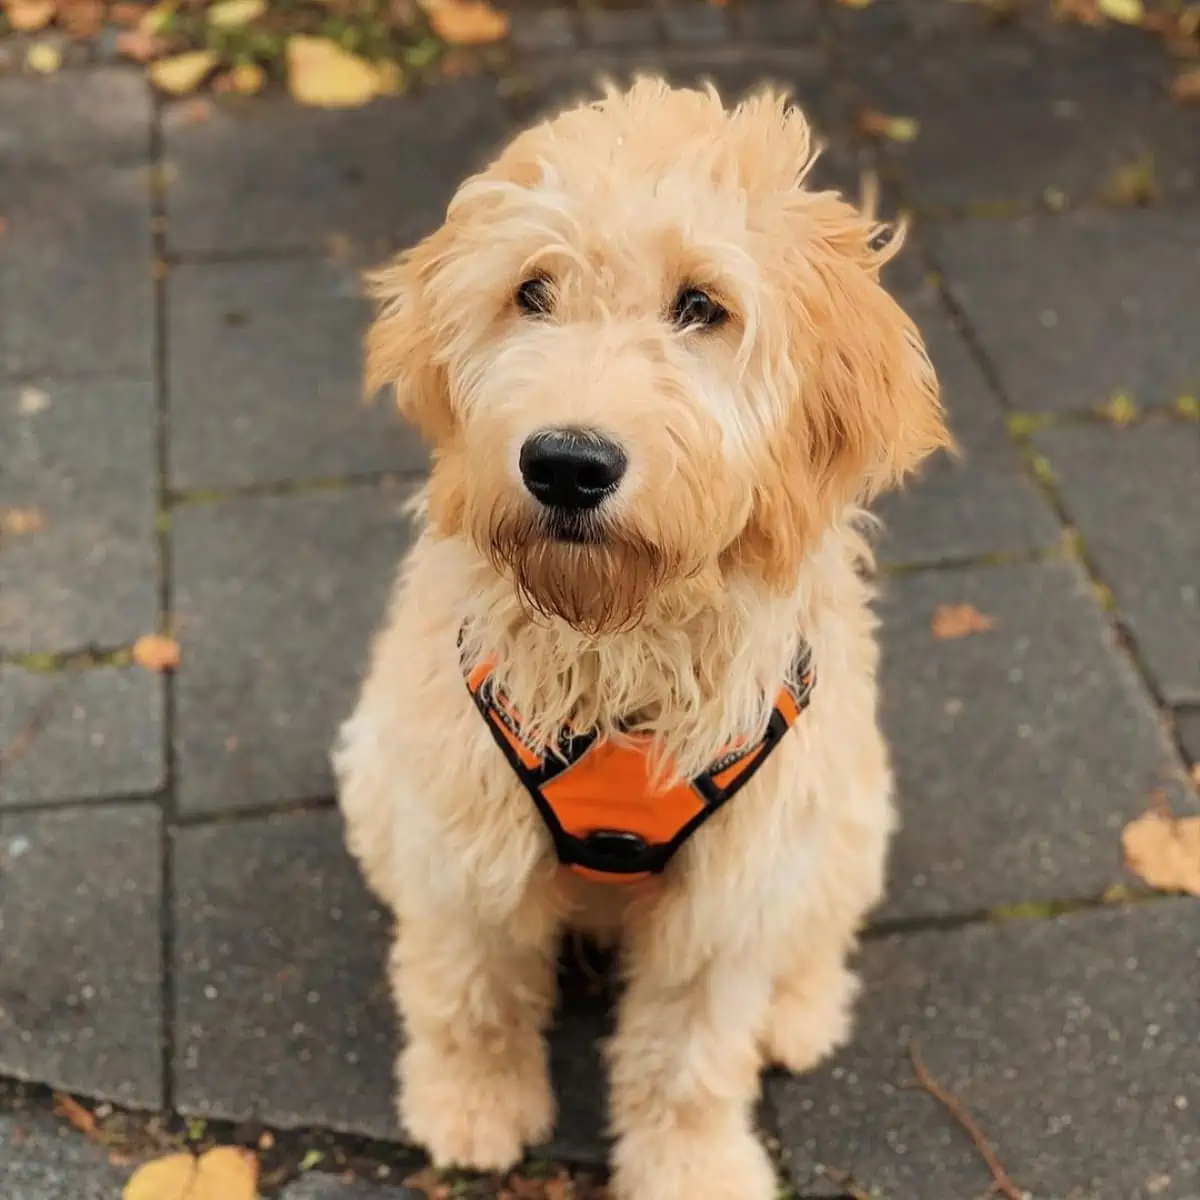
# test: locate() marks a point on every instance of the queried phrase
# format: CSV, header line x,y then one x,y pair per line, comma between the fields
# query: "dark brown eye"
x,y
535,296
694,307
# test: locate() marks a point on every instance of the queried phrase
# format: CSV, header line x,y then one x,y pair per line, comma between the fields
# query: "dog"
x,y
627,682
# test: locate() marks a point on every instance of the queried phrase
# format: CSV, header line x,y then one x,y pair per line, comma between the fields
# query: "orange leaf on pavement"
x,y
467,22
953,621
225,1173
1165,851
28,16
156,653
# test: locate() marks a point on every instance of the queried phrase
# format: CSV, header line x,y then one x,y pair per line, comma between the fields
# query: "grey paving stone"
x,y
76,289
1134,494
1019,752
1074,309
1187,728
82,455
95,732
282,1008
539,89
1008,114
276,600
80,976
981,502
329,1187
42,1160
775,21
265,376
272,175
620,26
691,23
1074,1042
543,29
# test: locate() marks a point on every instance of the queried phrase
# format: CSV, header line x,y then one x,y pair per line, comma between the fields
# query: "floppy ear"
x,y
400,344
864,402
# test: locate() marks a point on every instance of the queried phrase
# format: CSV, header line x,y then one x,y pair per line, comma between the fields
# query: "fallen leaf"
x,y
156,653
140,45
224,1173
898,129
32,401
1132,185
952,621
247,80
28,16
1186,87
1129,12
75,1114
156,19
126,12
182,73
233,14
1165,851
323,75
44,58
1121,410
81,18
855,3
16,522
467,22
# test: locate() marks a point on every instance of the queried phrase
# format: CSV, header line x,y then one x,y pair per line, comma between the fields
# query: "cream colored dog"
x,y
660,375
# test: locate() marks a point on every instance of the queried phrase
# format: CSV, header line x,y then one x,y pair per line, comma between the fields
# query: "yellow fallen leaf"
x,y
855,3
156,653
16,522
44,58
139,45
323,75
1165,851
952,621
897,129
1186,87
232,14
224,1173
466,22
1120,410
1129,12
156,19
247,80
182,73
28,16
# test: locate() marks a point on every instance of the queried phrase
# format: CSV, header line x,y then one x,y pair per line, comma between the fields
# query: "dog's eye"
x,y
535,296
694,307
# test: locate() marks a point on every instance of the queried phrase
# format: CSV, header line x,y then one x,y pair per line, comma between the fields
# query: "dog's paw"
x,y
811,1016
675,1165
472,1112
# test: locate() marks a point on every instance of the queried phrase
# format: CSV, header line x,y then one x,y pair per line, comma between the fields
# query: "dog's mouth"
x,y
572,528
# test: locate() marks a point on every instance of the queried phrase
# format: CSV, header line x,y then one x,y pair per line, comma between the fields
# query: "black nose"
x,y
571,468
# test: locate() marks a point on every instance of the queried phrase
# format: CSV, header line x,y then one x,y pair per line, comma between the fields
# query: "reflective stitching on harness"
x,y
605,813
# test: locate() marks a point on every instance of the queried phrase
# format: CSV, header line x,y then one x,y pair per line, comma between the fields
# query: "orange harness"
x,y
608,818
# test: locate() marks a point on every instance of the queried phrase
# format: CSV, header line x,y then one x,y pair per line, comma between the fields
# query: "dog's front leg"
x,y
684,1074
474,1000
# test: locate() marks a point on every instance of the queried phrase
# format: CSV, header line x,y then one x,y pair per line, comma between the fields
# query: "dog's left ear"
x,y
863,397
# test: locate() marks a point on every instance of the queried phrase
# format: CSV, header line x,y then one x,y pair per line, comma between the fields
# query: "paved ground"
x,y
179,926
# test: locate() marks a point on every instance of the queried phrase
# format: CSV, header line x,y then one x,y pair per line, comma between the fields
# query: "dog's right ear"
x,y
400,345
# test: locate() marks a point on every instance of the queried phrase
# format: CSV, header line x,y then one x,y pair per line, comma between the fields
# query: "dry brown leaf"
x,y
182,73
126,12
16,522
233,14
81,18
45,58
467,22
28,16
897,129
75,1114
225,1173
139,45
953,621
156,653
1165,851
1186,87
323,75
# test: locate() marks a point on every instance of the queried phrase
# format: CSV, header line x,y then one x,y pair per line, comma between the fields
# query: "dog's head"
x,y
644,351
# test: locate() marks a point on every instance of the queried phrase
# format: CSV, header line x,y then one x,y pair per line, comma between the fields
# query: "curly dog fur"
x,y
737,529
